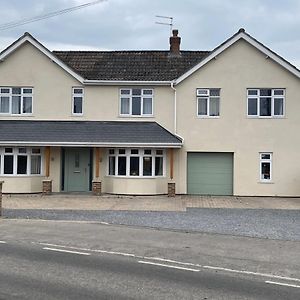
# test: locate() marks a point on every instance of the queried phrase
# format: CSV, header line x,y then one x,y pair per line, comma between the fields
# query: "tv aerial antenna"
x,y
168,23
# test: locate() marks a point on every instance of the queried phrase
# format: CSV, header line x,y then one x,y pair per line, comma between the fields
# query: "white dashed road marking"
x,y
2,242
283,284
66,251
167,266
140,257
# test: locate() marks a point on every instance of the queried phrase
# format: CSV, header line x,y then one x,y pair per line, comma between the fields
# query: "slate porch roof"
x,y
130,65
86,133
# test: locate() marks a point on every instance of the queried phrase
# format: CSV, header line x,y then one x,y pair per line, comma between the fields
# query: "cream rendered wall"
x,y
27,66
22,184
52,99
236,69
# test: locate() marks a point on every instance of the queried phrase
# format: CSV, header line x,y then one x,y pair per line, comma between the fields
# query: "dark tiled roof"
x,y
88,132
130,65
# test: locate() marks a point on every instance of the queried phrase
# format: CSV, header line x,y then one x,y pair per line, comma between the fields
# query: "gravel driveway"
x,y
272,224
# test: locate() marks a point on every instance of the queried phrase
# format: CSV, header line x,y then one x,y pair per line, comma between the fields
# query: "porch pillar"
x,y
47,161
1,183
96,184
171,185
47,183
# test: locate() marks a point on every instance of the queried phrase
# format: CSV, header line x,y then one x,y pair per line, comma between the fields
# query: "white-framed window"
x,y
136,162
20,161
262,103
16,100
77,101
265,162
136,102
208,103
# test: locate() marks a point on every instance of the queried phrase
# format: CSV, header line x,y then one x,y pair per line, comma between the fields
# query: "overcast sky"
x,y
130,24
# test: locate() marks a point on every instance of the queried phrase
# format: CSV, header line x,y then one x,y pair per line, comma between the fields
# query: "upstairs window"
x,y
265,102
16,100
77,101
208,102
136,102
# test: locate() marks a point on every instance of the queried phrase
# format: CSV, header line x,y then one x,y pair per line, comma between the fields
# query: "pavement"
x,y
143,203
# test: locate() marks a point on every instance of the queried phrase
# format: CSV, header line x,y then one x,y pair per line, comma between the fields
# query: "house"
x,y
220,122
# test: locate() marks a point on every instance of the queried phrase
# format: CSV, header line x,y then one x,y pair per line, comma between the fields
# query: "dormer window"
x,y
16,100
136,102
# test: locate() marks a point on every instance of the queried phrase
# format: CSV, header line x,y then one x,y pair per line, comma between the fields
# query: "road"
x,y
78,260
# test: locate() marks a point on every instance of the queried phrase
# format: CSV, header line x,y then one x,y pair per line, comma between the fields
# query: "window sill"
x,y
77,115
265,117
266,182
135,116
208,117
20,176
135,177
18,116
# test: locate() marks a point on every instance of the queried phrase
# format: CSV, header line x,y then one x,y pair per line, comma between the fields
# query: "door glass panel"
x,y
77,160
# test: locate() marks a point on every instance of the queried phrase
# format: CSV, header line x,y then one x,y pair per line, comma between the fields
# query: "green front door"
x,y
210,173
77,169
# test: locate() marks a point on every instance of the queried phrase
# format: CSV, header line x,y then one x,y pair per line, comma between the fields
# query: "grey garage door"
x,y
210,173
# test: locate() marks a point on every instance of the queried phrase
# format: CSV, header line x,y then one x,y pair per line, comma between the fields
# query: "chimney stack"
x,y
175,43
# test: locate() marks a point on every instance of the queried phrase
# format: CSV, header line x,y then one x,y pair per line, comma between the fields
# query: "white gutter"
x,y
124,82
86,144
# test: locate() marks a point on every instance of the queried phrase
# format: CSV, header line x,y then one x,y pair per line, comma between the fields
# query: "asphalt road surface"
x,y
60,260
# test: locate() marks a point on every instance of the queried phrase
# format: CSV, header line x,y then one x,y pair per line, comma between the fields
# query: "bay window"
x,y
20,161
16,100
136,162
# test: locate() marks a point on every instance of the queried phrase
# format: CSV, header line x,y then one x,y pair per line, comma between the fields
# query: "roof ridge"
x,y
128,51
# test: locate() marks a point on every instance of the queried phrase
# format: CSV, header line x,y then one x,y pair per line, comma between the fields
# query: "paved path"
x,y
144,203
